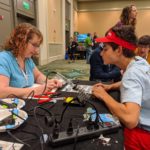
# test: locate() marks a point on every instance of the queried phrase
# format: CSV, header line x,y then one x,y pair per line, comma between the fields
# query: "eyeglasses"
x,y
34,44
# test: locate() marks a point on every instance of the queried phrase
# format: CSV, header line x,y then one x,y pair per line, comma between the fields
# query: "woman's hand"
x,y
54,83
38,90
51,84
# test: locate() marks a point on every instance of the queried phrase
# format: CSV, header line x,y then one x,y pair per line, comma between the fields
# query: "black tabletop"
x,y
30,132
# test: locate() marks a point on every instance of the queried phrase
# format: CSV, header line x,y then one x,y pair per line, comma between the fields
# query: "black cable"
x,y
75,140
29,97
13,96
34,134
45,83
42,92
29,139
18,116
44,88
97,114
31,94
24,130
38,124
51,106
17,139
76,137
96,119
62,114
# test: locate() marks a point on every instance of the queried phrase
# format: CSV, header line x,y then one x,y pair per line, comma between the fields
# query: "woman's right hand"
x,y
40,89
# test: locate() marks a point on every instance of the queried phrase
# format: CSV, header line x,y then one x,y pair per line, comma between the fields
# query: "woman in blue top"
x,y
18,72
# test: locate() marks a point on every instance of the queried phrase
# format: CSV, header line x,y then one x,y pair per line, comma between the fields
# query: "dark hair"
x,y
126,33
125,16
20,36
88,34
144,40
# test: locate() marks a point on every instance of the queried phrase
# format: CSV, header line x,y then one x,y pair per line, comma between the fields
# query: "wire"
x,y
31,94
12,96
62,114
75,140
45,84
97,115
17,139
25,131
76,137
34,134
35,116
38,124
18,116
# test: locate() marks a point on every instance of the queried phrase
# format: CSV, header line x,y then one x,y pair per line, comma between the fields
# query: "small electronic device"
x,y
107,120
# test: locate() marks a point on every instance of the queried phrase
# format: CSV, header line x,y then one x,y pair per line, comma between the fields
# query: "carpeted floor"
x,y
78,70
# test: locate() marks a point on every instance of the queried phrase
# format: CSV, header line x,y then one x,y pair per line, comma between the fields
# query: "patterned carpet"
x,y
78,70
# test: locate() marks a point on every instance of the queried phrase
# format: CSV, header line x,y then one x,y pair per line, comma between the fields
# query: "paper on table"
x,y
4,145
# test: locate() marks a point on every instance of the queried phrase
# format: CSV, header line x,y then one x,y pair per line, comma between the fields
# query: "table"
x,y
29,130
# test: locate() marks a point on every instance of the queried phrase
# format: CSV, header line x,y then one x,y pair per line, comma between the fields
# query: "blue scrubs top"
x,y
10,68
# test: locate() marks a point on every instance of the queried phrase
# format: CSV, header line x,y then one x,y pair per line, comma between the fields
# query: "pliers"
x,y
47,97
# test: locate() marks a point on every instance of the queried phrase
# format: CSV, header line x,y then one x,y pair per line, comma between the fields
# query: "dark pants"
x,y
88,54
71,55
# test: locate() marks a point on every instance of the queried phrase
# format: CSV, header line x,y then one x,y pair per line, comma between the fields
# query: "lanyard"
x,y
25,76
23,73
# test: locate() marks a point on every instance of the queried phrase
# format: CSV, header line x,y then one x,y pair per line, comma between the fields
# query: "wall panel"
x,y
101,21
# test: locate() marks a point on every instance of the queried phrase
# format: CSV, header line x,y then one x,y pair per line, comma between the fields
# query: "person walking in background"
x,y
144,47
95,44
69,49
72,49
134,109
88,45
18,72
